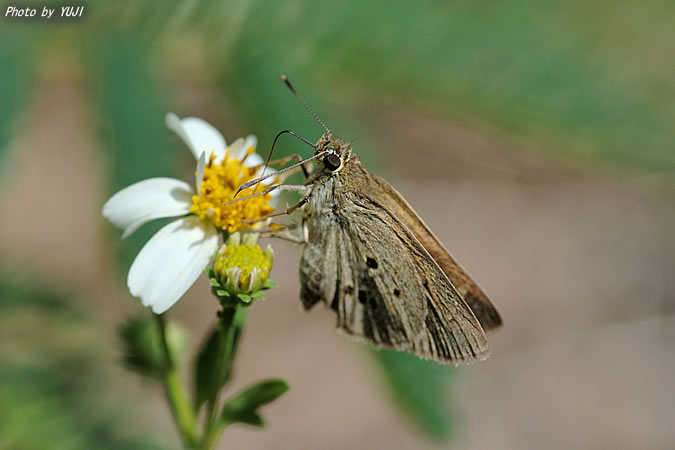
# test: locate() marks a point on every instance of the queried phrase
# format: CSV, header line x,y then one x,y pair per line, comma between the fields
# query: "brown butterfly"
x,y
370,258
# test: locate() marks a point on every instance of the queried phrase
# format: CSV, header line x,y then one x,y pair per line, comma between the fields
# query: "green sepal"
x,y
258,295
269,284
214,282
245,298
222,293
242,408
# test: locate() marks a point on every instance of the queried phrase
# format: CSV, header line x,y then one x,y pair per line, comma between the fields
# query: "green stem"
x,y
180,406
213,434
214,426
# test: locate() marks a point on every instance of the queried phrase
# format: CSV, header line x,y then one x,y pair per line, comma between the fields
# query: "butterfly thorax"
x,y
333,183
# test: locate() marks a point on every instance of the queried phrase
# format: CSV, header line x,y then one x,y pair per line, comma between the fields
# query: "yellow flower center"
x,y
245,258
220,182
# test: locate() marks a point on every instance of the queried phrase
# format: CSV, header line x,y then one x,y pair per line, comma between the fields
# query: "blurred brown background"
x,y
535,140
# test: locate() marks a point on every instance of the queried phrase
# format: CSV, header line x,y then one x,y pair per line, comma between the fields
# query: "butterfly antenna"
x,y
284,78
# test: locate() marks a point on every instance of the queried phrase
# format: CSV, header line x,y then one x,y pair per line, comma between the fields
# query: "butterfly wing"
x,y
382,283
472,294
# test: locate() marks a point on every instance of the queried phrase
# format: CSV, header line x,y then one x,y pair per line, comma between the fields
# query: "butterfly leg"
x,y
282,231
290,210
284,235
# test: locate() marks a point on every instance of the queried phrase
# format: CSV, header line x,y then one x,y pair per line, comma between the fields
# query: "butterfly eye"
x,y
332,162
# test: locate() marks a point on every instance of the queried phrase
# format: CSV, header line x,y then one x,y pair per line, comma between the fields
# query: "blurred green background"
x,y
536,138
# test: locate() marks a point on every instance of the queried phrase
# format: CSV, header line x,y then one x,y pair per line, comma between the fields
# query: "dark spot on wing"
x,y
348,290
397,292
370,262
368,298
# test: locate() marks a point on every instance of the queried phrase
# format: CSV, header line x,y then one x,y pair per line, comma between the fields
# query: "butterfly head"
x,y
335,152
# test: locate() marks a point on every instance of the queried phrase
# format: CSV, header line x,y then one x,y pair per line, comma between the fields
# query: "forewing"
x,y
384,286
472,294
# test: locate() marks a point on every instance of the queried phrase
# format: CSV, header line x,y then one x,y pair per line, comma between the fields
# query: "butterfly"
x,y
371,259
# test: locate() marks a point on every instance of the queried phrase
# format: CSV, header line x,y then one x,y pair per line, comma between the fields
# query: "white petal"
x,y
234,238
251,141
171,262
250,239
275,200
199,175
199,135
253,160
236,150
275,196
239,147
147,200
232,282
255,273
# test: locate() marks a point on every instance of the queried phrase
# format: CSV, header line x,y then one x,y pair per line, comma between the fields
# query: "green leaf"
x,y
420,388
142,346
243,406
247,417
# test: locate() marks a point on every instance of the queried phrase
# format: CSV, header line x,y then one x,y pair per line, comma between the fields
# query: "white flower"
x,y
172,260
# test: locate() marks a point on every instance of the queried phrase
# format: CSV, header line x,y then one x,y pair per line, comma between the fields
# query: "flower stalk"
x,y
230,332
227,352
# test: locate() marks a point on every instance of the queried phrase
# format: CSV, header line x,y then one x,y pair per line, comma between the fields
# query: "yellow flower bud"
x,y
241,267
